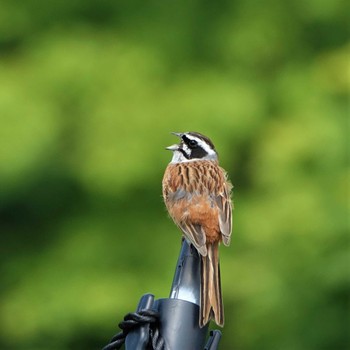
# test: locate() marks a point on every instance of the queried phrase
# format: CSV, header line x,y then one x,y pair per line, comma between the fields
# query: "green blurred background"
x,y
89,91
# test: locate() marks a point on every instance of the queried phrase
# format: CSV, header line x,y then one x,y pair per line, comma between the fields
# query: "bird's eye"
x,y
193,143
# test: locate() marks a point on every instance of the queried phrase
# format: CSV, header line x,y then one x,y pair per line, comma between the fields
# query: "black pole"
x,y
179,314
187,279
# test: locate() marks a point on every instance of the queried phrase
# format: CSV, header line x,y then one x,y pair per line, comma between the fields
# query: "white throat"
x,y
178,157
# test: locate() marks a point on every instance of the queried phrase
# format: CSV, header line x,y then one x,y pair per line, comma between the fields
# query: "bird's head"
x,y
192,146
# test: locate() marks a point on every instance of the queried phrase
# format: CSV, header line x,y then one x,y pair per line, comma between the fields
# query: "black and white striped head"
x,y
193,146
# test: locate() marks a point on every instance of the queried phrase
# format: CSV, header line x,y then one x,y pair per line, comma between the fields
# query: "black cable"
x,y
134,320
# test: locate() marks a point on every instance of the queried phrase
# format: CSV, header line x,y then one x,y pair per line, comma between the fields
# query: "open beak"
x,y
176,146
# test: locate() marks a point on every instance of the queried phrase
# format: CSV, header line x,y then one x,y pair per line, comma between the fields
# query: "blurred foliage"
x,y
90,90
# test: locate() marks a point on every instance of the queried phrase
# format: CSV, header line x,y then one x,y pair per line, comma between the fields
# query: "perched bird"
x,y
196,193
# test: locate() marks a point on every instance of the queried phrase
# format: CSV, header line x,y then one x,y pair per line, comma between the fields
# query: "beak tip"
x,y
178,134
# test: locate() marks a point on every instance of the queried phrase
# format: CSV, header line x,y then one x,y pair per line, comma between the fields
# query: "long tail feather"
x,y
211,297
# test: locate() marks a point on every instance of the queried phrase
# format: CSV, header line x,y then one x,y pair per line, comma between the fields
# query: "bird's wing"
x,y
195,234
223,201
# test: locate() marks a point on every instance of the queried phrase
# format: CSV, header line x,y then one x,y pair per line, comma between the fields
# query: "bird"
x,y
197,195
